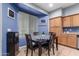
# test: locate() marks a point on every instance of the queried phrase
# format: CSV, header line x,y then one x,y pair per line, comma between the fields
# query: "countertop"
x,y
72,33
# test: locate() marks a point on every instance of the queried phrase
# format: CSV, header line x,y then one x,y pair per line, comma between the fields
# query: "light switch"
x,y
9,30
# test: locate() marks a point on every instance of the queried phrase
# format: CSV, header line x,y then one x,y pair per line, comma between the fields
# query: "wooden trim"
x,y
67,46
56,17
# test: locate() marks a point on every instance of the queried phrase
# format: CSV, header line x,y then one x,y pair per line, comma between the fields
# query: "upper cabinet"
x,y
66,21
71,21
75,19
55,22
57,30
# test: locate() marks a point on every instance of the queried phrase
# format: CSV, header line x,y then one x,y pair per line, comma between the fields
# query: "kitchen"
x,y
66,27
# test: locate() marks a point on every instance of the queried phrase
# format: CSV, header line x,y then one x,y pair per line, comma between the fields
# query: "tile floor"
x,y
63,51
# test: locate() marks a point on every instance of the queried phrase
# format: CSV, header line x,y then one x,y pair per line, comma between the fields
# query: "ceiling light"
x,y
51,5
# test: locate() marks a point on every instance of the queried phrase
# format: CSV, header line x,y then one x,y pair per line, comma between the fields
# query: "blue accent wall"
x,y
22,41
8,23
43,27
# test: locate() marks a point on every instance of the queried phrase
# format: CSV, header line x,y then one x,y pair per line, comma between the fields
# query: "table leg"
x,y
53,47
40,50
49,51
56,43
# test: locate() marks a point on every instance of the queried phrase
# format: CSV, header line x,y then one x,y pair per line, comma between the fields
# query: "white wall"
x,y
71,10
36,8
55,13
0,29
65,12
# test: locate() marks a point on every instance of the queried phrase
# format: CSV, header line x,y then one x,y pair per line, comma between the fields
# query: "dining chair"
x,y
35,33
32,45
48,45
55,40
52,34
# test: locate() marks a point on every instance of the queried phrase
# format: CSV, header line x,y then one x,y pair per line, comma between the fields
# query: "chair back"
x,y
52,34
28,40
52,37
35,33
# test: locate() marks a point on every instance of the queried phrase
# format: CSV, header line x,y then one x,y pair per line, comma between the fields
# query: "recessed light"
x,y
51,5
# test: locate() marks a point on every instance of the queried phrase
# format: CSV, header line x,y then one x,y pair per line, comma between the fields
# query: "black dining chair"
x,y
32,45
35,33
52,34
55,40
49,44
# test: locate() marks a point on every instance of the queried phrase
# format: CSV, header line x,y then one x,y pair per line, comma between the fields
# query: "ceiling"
x,y
45,6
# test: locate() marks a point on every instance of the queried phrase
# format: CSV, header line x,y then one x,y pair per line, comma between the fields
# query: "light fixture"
x,y
51,5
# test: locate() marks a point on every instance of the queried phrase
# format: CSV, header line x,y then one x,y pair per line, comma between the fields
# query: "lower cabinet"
x,y
62,39
72,41
68,40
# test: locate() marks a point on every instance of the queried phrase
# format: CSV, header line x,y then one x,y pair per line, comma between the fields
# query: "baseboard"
x,y
68,46
22,47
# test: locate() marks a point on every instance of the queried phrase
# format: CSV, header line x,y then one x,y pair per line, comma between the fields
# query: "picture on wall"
x,y
11,13
43,21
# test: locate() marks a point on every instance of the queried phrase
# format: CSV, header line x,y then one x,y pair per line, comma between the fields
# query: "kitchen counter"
x,y
72,33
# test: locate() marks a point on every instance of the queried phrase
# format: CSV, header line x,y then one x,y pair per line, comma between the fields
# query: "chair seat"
x,y
45,45
34,45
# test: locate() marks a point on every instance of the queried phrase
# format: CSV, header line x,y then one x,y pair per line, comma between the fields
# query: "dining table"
x,y
42,39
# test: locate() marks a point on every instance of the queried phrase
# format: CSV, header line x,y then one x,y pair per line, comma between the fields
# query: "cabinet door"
x,y
51,29
67,21
55,22
72,41
51,23
57,30
75,20
58,22
59,39
63,39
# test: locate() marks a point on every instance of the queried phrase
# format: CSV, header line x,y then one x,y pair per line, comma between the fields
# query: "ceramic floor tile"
x,y
62,51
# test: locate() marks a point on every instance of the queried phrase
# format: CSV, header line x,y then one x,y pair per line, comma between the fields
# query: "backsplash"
x,y
71,29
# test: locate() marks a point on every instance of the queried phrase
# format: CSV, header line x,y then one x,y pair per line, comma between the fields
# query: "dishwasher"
x,y
77,41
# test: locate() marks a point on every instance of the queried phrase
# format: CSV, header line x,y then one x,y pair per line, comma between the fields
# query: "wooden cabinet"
x,y
72,41
55,25
71,21
57,30
68,40
55,22
62,39
66,21
75,19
